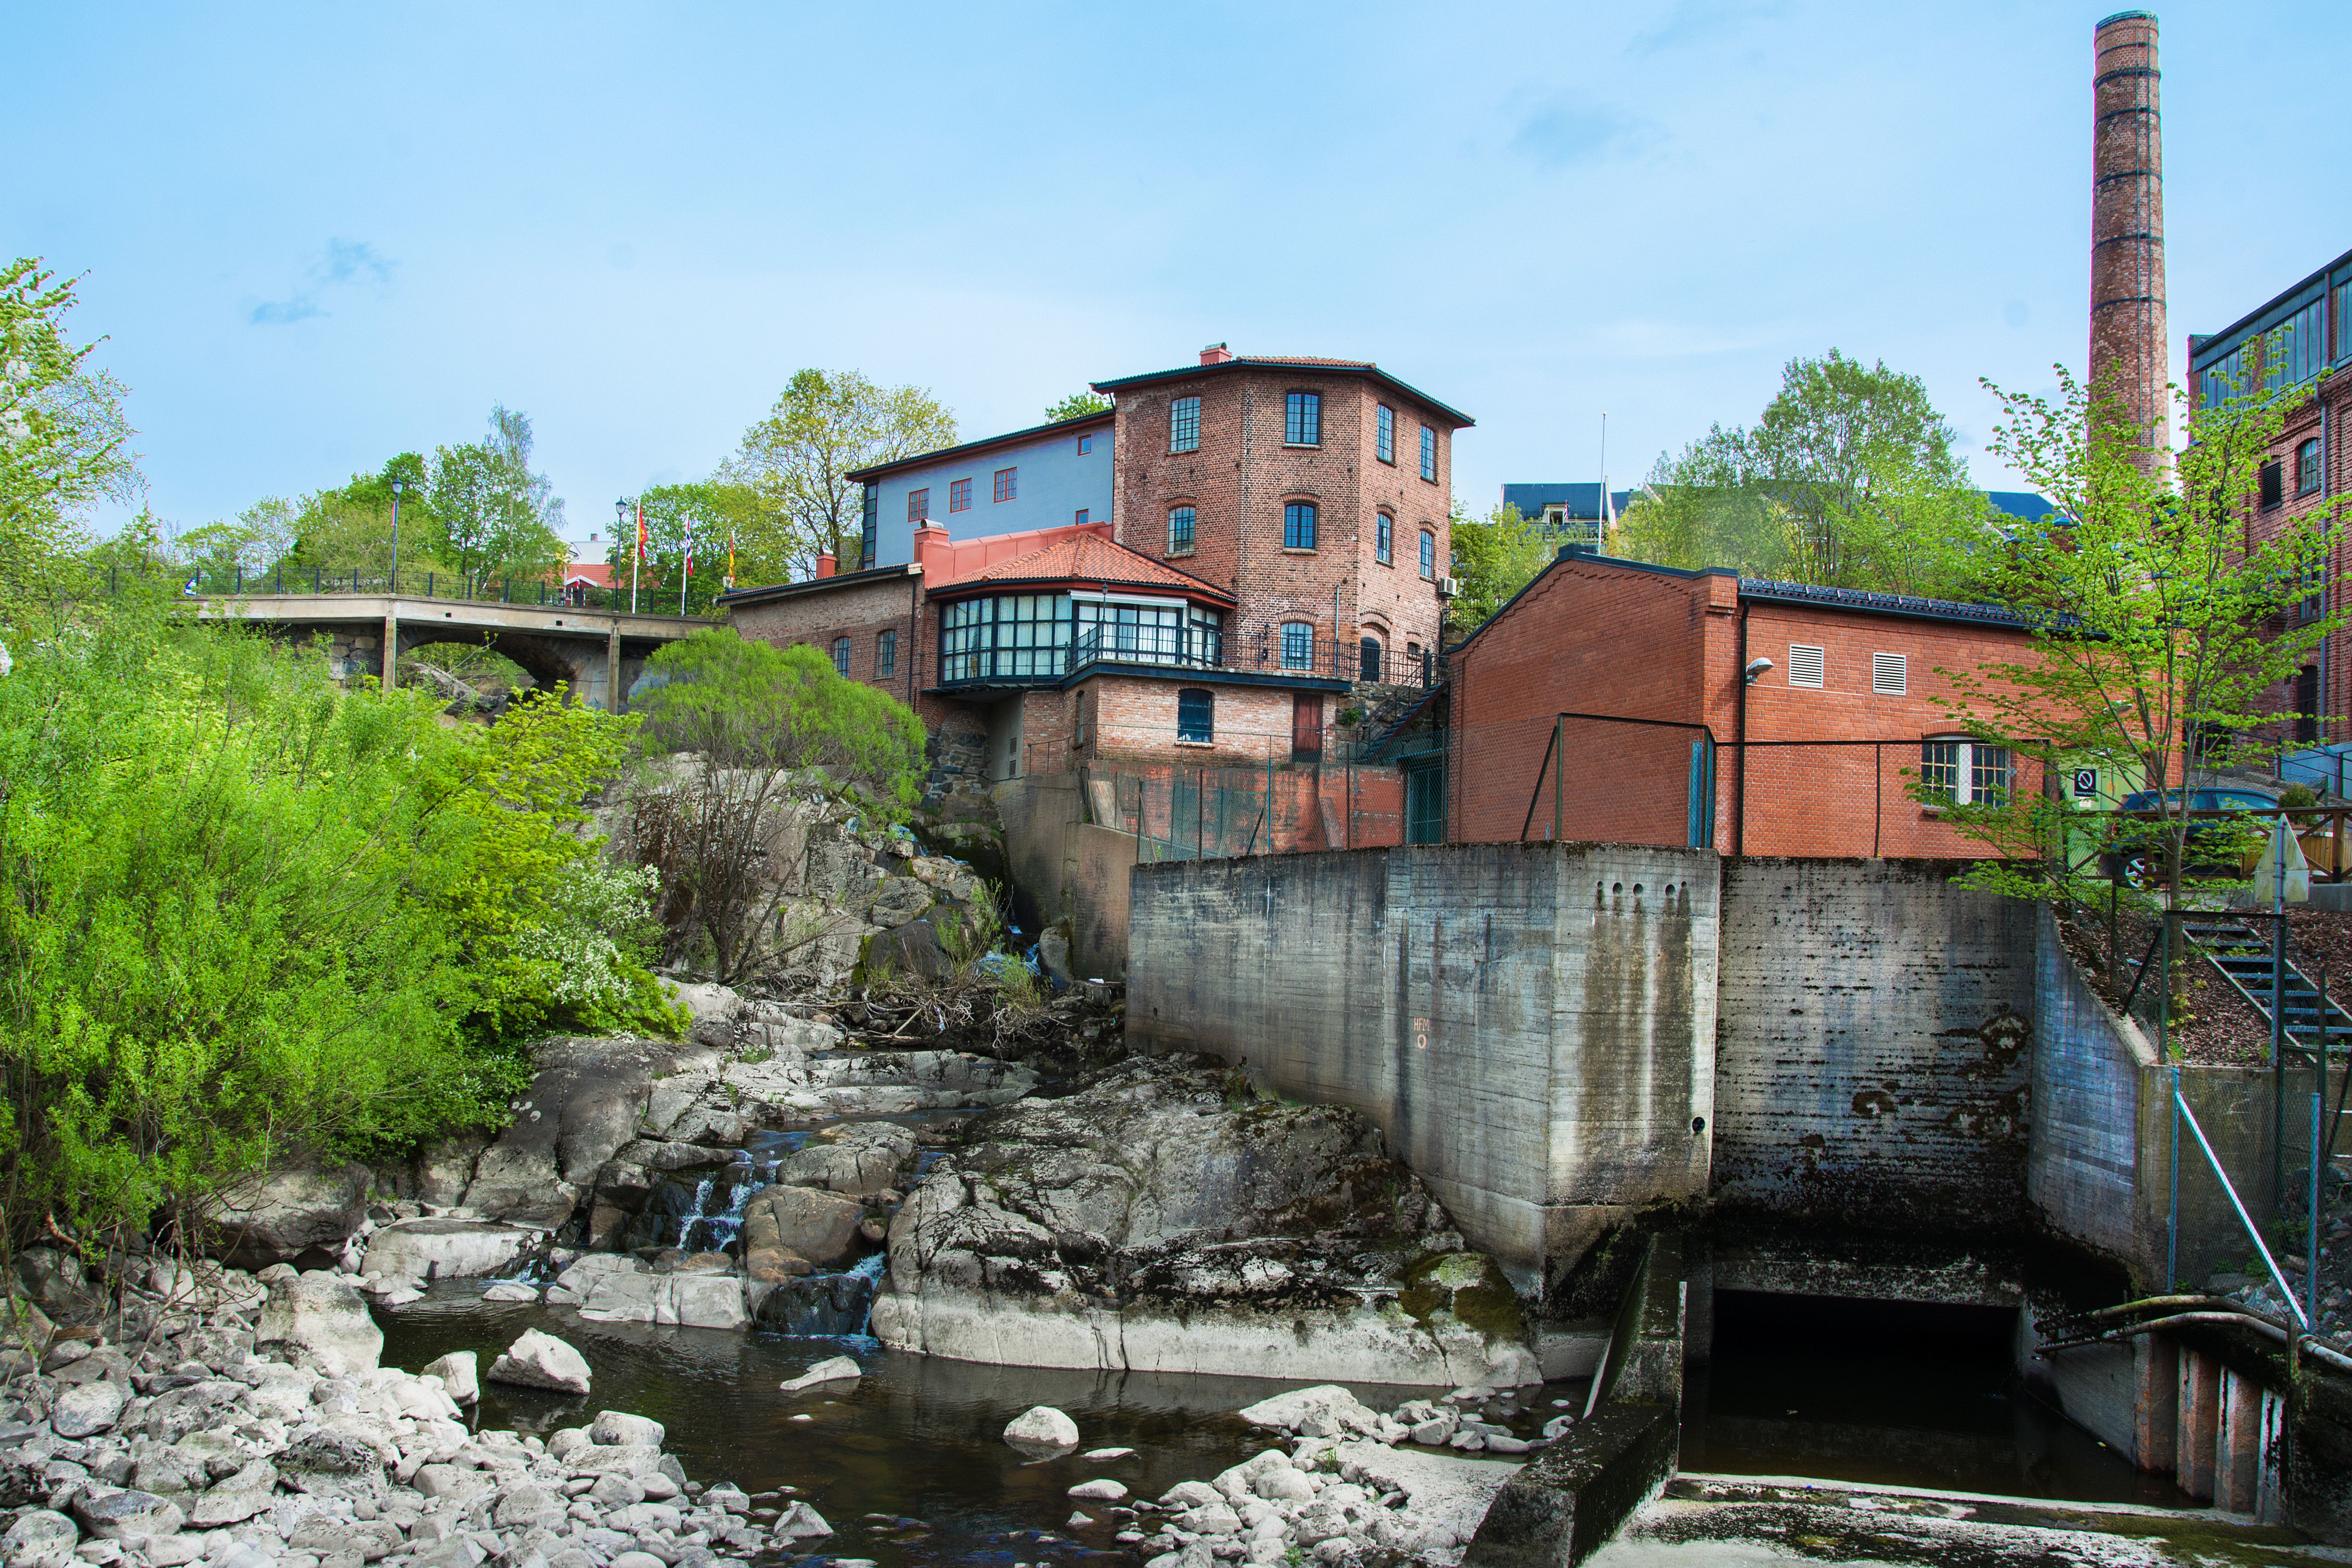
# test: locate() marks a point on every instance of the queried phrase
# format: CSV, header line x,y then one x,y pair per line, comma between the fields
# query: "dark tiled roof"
x,y
1362,367
974,449
1771,592
1581,498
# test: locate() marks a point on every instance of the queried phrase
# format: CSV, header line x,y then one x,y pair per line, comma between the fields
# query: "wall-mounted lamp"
x,y
1756,668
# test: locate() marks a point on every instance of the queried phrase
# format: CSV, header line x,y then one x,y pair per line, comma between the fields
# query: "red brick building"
x,y
1248,539
2301,338
1619,702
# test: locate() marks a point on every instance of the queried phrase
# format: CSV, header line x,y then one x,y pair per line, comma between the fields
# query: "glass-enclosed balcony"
x,y
1039,637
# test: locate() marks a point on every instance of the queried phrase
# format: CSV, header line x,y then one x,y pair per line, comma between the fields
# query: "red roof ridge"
x,y
1088,558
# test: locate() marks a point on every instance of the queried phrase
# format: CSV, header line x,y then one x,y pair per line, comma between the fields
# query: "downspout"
x,y
914,629
1740,743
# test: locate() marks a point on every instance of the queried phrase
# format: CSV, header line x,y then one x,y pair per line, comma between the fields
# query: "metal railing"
x,y
480,588
2304,1317
1193,648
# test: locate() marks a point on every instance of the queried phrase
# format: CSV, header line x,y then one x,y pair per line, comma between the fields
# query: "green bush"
x,y
245,914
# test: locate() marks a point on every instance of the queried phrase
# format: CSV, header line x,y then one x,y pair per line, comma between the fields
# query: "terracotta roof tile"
x,y
1090,558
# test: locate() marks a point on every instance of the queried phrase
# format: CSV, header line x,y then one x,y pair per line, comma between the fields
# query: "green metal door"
x,y
1424,802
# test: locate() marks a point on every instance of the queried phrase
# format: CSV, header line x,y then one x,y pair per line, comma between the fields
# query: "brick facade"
x,y
1627,642
1243,475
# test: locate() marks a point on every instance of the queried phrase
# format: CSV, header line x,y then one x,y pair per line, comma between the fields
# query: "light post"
x,y
394,584
620,522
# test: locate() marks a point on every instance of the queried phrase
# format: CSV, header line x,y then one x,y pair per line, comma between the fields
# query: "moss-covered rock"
x,y
1469,1287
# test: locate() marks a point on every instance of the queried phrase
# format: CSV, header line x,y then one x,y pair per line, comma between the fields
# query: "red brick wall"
x,y
1129,717
2335,392
1243,476
1598,638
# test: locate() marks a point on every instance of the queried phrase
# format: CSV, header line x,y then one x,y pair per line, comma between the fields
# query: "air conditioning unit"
x,y
1448,587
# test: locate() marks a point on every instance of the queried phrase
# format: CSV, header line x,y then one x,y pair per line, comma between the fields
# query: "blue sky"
x,y
317,237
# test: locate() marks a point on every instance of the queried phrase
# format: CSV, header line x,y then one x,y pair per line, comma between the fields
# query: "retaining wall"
x,y
1529,1025
1872,1045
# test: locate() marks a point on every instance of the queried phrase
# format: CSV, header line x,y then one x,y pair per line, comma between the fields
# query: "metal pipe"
x,y
1739,740
2263,1326
2232,1194
2172,1228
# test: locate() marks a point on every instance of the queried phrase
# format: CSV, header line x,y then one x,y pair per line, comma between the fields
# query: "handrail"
x,y
2181,1111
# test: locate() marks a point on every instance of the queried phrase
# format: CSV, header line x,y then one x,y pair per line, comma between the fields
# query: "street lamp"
x,y
620,530
395,536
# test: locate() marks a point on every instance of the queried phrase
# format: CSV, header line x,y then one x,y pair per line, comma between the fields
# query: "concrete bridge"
x,y
368,632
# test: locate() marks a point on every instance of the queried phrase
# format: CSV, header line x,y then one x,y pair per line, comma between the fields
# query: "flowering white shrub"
x,y
597,905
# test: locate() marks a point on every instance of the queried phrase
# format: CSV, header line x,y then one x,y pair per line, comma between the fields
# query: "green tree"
x,y
493,514
1848,480
1494,558
246,913
747,714
1077,406
2159,617
796,462
64,442
669,510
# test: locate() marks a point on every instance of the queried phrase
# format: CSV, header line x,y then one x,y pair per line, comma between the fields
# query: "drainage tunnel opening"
x,y
1890,1393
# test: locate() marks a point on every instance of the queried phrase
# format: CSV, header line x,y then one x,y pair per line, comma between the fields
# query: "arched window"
x,y
1370,655
1429,555
1196,715
1965,772
1384,539
1298,645
1180,530
2306,467
841,654
1298,525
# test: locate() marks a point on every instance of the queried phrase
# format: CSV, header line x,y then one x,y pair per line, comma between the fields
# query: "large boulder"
x,y
301,1216
584,1104
800,1222
416,1250
541,1360
862,1158
1149,1223
320,1320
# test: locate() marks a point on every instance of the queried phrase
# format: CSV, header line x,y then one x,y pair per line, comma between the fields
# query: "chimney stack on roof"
x,y
2128,356
1215,353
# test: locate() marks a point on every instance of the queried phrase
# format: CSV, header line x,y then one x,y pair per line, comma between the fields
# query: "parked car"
x,y
2214,846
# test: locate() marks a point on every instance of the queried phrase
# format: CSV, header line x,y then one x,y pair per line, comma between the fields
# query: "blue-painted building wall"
x,y
1055,483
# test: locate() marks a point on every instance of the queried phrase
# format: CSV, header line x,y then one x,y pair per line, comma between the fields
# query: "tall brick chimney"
x,y
2130,359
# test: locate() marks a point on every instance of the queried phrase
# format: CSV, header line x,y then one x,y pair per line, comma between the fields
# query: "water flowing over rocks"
x,y
1150,1222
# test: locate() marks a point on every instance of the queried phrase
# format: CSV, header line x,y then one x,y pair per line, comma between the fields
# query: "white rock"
x,y
840,1369
1099,1455
318,1316
1105,1490
459,1372
800,1523
541,1360
1042,1426
40,1539
85,1409
508,1290
1076,1519
620,1427
1326,1410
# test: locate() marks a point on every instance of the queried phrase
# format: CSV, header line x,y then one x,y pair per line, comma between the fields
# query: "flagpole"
x,y
1600,510
687,575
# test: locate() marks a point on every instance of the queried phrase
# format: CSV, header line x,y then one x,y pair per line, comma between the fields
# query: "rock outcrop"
x,y
1149,1221
300,1216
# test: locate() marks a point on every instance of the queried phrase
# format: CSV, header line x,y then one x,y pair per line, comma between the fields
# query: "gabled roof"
x,y
1362,367
1089,557
976,448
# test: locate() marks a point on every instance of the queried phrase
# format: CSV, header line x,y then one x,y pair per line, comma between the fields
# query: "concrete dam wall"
x,y
1531,1026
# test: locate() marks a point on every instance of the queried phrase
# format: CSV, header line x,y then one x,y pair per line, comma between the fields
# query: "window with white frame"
x,y
1807,666
1965,772
1298,645
1890,674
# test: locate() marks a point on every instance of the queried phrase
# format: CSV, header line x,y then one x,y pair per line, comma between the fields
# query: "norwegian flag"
x,y
689,547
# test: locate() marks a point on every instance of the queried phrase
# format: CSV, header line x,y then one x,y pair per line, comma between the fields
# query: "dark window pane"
x,y
1384,432
1302,419
1428,453
1184,425
1298,526
1196,715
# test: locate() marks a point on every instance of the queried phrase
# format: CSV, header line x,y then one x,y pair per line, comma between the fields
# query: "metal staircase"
x,y
2248,960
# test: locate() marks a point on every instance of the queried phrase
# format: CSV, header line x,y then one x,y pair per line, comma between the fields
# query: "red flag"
x,y
641,530
689,547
